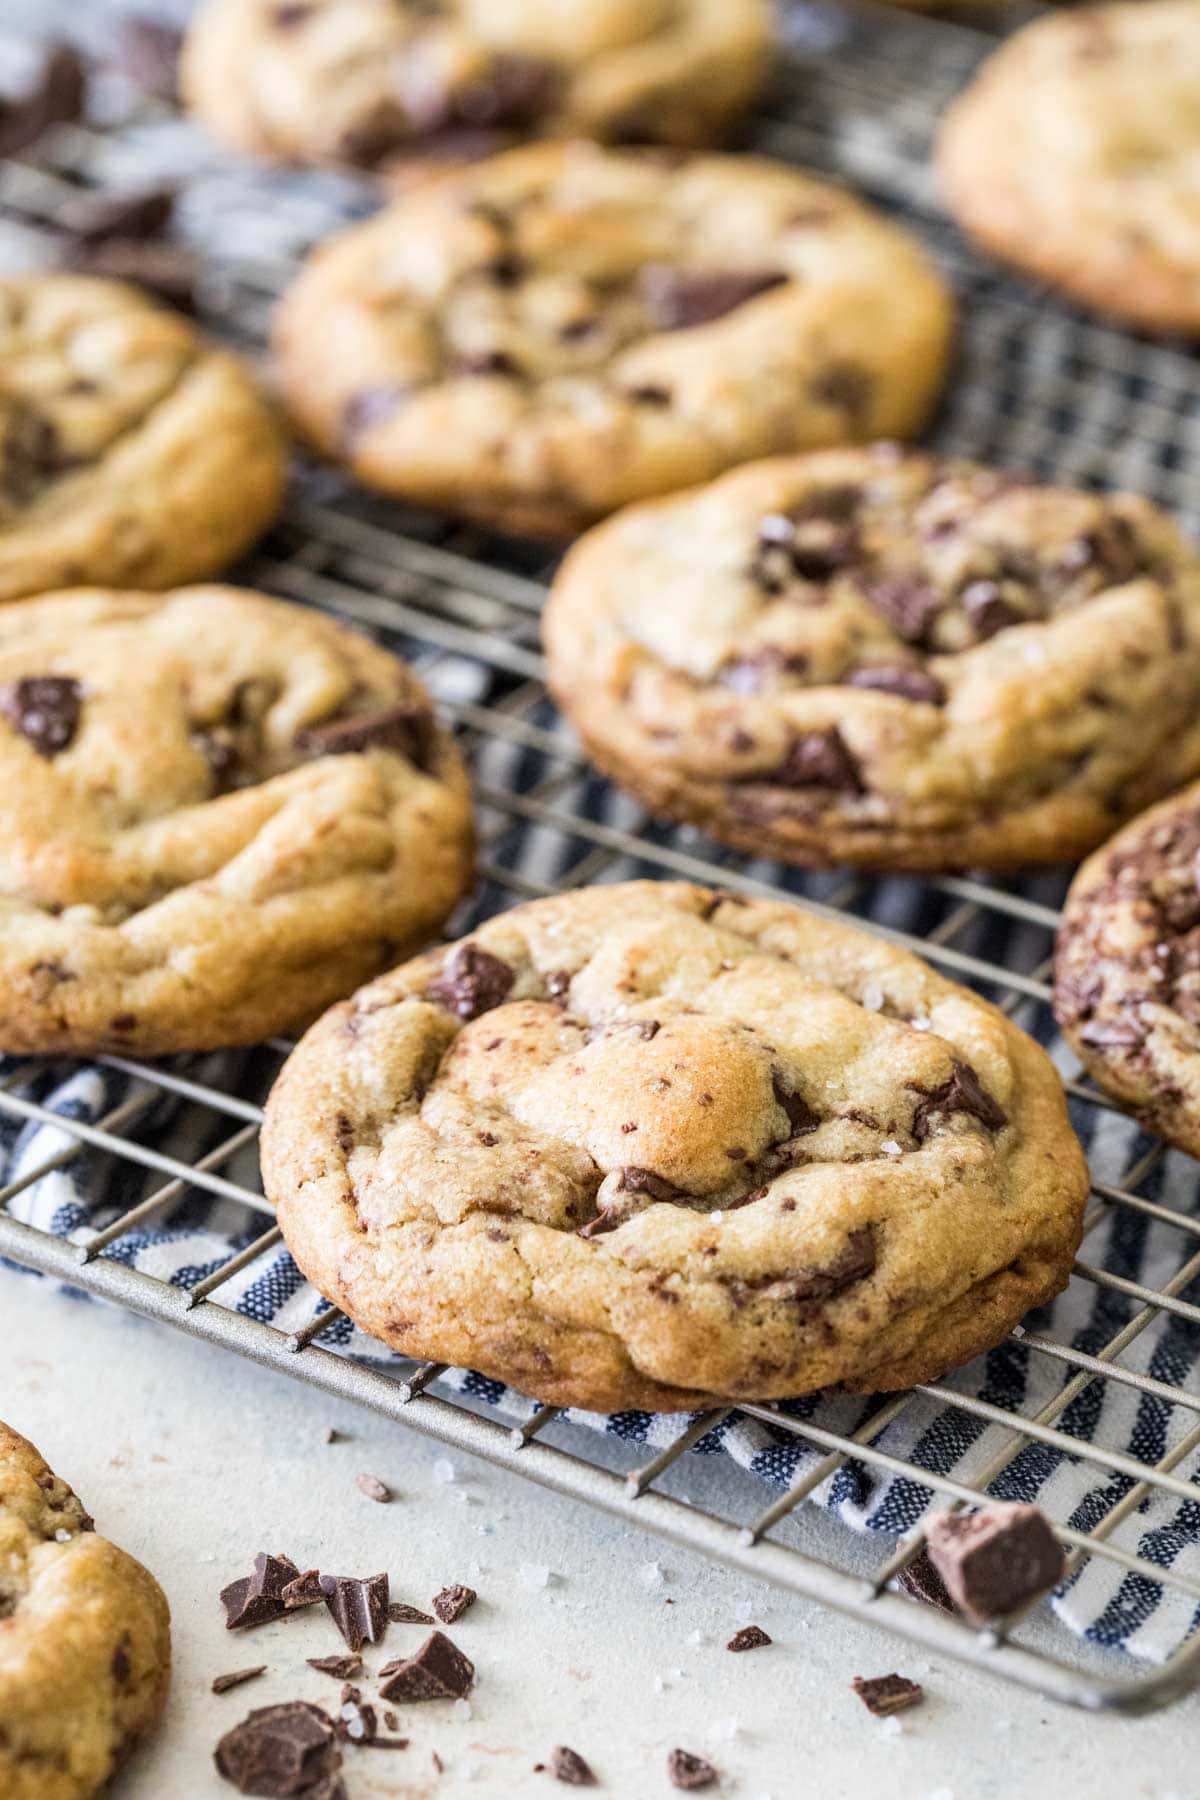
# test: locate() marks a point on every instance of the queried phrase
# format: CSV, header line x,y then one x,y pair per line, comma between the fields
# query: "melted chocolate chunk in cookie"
x,y
678,298
45,709
398,726
472,982
962,1093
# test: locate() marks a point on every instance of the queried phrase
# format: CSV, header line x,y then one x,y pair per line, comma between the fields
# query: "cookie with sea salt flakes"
x,y
218,812
1127,968
561,329
648,1144
370,82
885,658
85,1651
132,451
1073,151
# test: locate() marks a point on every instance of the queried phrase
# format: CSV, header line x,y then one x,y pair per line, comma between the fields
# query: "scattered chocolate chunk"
x,y
400,1614
689,1772
962,1093
257,1599
453,1602
280,1751
886,1694
45,709
304,1591
56,97
402,726
567,1766
996,1558
342,1668
920,1579
750,1637
678,298
908,684
358,1606
471,982
368,408
438,1671
171,272
818,759
373,1488
223,1683
908,603
148,53
138,214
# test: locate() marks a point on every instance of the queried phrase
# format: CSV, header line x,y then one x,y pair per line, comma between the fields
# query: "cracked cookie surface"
x,y
85,1651
221,812
885,658
647,1144
563,329
370,82
1127,968
132,452
1072,154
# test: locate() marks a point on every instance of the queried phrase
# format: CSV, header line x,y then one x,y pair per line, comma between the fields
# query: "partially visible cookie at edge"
x,y
219,812
885,658
648,1144
559,330
85,1652
133,453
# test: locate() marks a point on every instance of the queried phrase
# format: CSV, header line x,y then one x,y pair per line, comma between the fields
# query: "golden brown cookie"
x,y
649,1144
220,812
85,1650
132,452
562,329
885,658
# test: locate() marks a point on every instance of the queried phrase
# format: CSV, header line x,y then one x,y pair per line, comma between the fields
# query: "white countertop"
x,y
194,1460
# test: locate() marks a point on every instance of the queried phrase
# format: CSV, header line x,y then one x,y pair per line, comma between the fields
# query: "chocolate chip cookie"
x,y
885,658
85,1650
219,812
1127,969
373,82
131,451
1072,154
647,1144
562,329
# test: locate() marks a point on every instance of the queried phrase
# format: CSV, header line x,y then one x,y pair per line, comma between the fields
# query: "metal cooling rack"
x,y
1037,386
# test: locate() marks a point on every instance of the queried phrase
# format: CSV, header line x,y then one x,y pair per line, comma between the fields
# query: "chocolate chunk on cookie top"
x,y
558,330
689,1146
218,813
886,658
131,451
408,83
85,1652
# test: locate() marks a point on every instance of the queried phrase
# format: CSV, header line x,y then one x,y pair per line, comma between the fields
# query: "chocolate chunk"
x,y
438,1671
814,540
750,1637
373,1488
148,54
122,1668
885,1694
304,1591
817,759
370,407
56,97
690,1772
453,1602
567,1766
995,1559
256,1599
920,1579
287,17
223,1683
400,1614
679,298
138,214
988,610
803,1287
649,395
402,726
342,1668
848,387
908,603
645,1181
358,1606
45,709
962,1093
280,1750
515,91
800,1116
222,755
472,982
908,684
169,271
486,362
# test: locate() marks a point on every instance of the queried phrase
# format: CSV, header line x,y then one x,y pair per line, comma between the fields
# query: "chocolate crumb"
x,y
453,1602
438,1671
373,1488
342,1668
886,1694
358,1606
390,1719
750,1637
567,1766
400,1614
690,1772
223,1683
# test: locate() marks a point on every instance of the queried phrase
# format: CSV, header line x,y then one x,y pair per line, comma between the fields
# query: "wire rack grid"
x,y
858,96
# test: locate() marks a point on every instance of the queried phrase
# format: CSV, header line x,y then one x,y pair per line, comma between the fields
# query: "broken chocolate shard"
x,y
962,1093
402,726
223,1683
400,1614
679,298
373,1488
995,1559
280,1751
690,1772
342,1668
305,1590
45,709
567,1766
750,1637
438,1671
886,1694
358,1606
453,1602
258,1598
472,982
